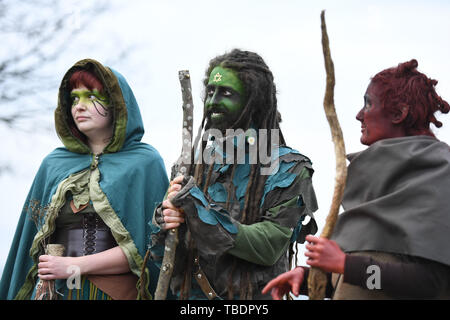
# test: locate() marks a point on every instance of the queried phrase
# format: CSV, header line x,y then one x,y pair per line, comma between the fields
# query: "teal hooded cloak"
x,y
125,183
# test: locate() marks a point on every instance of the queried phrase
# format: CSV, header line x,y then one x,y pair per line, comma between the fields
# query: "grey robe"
x,y
397,199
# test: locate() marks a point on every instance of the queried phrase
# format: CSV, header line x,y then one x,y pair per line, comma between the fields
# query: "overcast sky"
x,y
166,36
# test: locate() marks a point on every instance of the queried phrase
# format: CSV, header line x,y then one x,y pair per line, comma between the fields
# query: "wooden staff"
x,y
46,288
183,168
317,279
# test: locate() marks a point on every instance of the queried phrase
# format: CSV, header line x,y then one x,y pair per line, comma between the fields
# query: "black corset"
x,y
82,233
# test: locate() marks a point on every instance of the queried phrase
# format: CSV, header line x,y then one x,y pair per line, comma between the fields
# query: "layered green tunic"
x,y
123,185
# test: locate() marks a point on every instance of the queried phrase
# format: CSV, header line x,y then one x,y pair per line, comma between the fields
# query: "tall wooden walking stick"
x,y
317,279
183,167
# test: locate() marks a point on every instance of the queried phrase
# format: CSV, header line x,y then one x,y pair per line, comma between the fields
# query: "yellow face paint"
x,y
84,95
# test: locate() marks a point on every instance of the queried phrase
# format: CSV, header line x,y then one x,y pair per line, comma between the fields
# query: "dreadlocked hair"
x,y
260,112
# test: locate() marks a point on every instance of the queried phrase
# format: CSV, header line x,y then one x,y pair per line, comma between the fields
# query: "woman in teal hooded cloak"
x,y
95,196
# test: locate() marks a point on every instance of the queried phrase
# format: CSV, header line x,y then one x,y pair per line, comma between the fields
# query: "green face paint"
x,y
225,98
90,112
83,95
226,77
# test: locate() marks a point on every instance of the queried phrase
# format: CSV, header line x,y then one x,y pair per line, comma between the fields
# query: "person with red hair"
x,y
391,240
93,197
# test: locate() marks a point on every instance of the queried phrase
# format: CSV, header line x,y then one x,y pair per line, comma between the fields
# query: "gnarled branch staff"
x,y
317,278
183,168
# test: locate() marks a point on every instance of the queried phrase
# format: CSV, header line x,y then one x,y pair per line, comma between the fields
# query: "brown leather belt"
x,y
202,280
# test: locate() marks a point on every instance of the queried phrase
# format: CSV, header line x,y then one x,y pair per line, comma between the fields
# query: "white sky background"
x,y
166,36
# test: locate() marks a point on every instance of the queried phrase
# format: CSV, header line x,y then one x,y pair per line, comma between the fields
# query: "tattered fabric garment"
x,y
223,243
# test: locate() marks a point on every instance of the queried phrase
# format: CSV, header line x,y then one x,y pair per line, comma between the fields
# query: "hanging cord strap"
x,y
202,280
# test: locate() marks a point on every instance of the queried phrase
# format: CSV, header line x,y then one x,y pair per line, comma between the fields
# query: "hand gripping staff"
x,y
317,278
182,167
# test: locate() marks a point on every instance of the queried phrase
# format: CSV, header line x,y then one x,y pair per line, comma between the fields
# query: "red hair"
x,y
404,85
85,78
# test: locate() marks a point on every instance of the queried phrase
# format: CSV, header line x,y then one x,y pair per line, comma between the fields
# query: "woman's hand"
x,y
52,267
286,282
172,216
325,254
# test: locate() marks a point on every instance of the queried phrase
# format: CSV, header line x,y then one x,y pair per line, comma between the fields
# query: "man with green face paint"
x,y
237,217
225,98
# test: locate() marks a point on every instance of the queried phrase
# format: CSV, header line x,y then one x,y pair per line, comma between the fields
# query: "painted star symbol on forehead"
x,y
217,77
